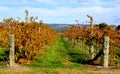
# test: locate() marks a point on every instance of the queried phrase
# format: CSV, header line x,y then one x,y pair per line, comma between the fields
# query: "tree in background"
x,y
103,25
118,27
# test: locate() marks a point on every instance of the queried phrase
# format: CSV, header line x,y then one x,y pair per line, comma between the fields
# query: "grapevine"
x,y
31,39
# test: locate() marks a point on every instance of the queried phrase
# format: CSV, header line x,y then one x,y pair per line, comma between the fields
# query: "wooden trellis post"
x,y
91,27
106,51
26,18
11,50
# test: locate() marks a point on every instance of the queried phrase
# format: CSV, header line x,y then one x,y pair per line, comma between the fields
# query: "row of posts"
x,y
105,45
105,51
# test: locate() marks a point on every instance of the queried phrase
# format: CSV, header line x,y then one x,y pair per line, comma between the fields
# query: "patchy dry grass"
x,y
84,70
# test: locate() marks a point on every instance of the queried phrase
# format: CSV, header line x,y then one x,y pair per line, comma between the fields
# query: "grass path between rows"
x,y
58,55
58,59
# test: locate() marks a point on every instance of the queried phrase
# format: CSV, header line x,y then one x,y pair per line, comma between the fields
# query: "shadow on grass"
x,y
61,55
82,58
75,55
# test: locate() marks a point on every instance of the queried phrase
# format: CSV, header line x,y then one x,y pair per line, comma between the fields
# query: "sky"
x,y
63,11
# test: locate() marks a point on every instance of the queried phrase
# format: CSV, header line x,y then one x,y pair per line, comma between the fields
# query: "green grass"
x,y
60,55
61,58
4,53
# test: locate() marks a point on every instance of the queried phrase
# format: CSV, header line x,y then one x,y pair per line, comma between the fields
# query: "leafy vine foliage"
x,y
31,39
75,32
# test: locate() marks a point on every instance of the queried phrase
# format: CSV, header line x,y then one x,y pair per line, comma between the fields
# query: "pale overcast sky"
x,y
63,11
